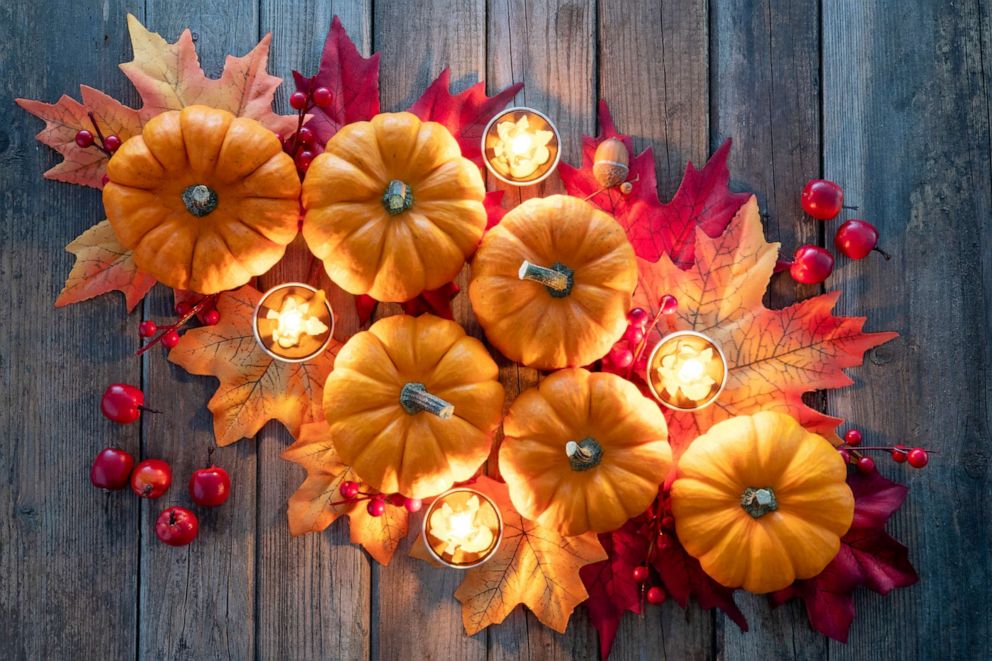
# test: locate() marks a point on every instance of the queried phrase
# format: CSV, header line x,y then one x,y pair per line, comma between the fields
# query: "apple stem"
x,y
145,409
782,265
881,252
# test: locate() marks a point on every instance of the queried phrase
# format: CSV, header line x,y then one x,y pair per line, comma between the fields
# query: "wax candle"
x,y
686,371
521,146
293,322
462,528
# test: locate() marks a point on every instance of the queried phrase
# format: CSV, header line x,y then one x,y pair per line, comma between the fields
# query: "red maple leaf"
x,y
868,556
653,228
465,114
352,79
611,585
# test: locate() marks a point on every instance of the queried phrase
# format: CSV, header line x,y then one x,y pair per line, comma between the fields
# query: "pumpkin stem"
x,y
584,454
759,502
414,398
558,279
397,198
199,200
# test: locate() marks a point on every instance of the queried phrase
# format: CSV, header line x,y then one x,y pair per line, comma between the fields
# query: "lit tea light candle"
x,y
521,146
686,371
462,528
293,322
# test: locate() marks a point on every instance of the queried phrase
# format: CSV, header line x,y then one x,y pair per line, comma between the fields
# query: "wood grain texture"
x,y
908,133
314,591
68,553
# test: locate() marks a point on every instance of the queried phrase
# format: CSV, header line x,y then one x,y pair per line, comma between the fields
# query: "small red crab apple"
x,y
177,526
857,239
811,265
210,486
111,469
151,478
823,199
123,403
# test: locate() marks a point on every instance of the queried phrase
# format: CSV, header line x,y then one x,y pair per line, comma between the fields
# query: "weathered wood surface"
x,y
894,104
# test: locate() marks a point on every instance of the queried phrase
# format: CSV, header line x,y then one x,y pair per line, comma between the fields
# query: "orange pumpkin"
x,y
584,451
412,404
761,502
205,200
551,284
392,208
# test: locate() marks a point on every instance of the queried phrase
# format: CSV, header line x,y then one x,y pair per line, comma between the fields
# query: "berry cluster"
x,y
108,144
204,310
299,144
656,526
856,239
628,354
852,452
352,493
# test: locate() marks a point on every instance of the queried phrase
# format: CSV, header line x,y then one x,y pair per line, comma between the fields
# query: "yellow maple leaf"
x,y
773,356
318,501
533,566
254,387
169,77
103,265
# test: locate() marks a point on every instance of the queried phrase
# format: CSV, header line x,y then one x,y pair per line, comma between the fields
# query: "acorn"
x,y
610,165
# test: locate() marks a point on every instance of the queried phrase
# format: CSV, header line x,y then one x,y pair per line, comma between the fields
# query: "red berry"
x,y
170,339
298,100
348,489
640,574
322,97
637,317
667,522
822,199
376,507
111,143
811,265
899,454
413,504
84,138
852,437
182,308
668,304
305,136
111,469
845,455
304,159
918,457
177,526
211,317
866,465
656,595
857,238
147,328
396,499
122,403
633,335
151,478
621,355
664,541
104,180
210,486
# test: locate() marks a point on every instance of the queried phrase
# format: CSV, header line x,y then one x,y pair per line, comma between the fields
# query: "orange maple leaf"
x,y
773,356
64,118
254,387
169,77
317,503
533,566
103,265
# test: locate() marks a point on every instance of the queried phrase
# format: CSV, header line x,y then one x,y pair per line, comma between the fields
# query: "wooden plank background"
x,y
892,102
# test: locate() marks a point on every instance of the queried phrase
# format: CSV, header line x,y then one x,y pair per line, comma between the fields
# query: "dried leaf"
x,y
533,566
254,387
353,81
774,356
317,502
63,119
169,77
464,114
103,265
702,200
868,556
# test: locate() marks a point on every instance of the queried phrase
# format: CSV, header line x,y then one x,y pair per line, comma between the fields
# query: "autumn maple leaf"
x,y
318,501
254,387
533,566
868,556
85,166
169,77
702,200
773,356
353,81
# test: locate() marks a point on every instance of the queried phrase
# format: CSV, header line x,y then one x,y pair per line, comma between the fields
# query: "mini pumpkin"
x,y
761,502
584,451
412,404
204,200
392,208
551,284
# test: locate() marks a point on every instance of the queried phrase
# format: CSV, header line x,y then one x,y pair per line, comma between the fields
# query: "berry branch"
x,y
852,452
169,335
303,137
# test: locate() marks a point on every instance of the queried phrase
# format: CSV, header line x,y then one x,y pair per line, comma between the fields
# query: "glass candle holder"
x,y
686,371
521,146
462,528
293,322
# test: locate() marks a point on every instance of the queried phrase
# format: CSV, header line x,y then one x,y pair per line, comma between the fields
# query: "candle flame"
x,y
293,321
520,150
462,529
684,371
